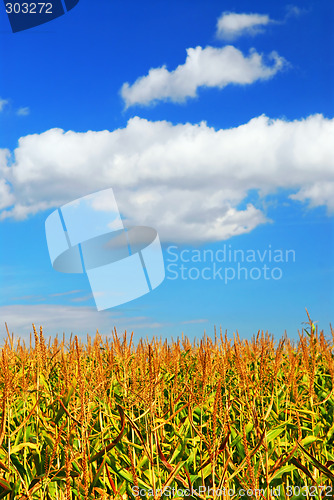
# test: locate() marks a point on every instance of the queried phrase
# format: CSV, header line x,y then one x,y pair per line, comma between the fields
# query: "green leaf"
x,y
66,400
5,488
309,440
97,475
283,470
274,434
19,447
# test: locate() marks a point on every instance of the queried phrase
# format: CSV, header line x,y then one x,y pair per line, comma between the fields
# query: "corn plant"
x,y
201,420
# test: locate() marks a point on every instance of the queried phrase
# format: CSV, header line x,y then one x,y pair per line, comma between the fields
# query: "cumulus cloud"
x,y
231,25
190,182
208,67
6,196
318,193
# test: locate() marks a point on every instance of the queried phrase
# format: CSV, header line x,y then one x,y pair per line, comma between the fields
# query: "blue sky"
x,y
212,122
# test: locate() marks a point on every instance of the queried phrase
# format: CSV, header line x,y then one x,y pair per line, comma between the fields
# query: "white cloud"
x,y
56,319
70,292
190,182
3,103
318,193
25,111
208,67
6,197
84,298
231,25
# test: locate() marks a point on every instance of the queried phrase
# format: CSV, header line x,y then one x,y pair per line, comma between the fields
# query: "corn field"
x,y
201,420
